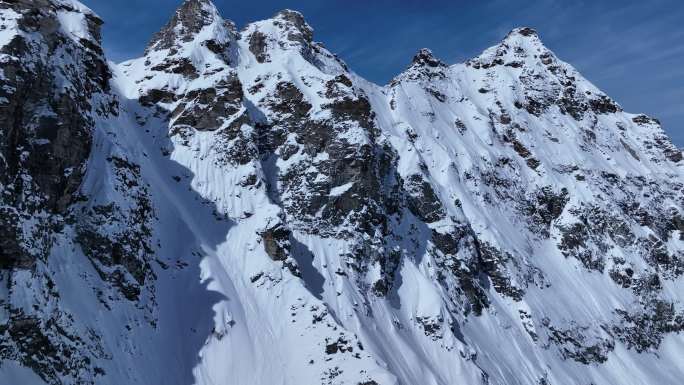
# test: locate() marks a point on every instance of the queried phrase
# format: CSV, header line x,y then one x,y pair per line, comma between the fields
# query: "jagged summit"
x,y
295,27
524,38
524,31
424,66
188,22
290,14
425,57
287,34
285,25
196,42
75,6
520,47
296,19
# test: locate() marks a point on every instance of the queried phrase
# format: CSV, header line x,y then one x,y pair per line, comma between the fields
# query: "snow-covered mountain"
x,y
239,207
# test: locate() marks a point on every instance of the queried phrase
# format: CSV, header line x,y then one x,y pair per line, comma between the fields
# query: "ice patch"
x,y
339,190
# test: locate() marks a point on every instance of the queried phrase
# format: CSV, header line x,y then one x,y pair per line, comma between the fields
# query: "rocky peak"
x,y
542,79
190,19
285,27
288,33
425,57
522,46
294,22
524,31
423,66
524,38
38,16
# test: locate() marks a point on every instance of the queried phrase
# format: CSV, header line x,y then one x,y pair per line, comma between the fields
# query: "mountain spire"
x,y
295,20
524,37
524,31
425,57
188,21
521,46
424,65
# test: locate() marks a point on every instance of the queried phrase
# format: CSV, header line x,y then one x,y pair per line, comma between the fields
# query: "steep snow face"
x,y
246,210
576,207
227,117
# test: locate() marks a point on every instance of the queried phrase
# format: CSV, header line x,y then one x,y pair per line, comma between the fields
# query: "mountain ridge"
x,y
251,210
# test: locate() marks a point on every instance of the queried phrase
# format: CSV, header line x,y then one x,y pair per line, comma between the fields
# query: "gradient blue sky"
x,y
633,50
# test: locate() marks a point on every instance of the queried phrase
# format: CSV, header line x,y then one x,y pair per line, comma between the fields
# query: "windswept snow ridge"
x,y
239,207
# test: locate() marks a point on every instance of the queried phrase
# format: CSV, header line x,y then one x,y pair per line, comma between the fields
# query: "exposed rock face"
x,y
46,121
188,21
238,201
55,91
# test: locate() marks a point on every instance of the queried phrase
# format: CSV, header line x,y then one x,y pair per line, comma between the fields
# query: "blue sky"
x,y
633,50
